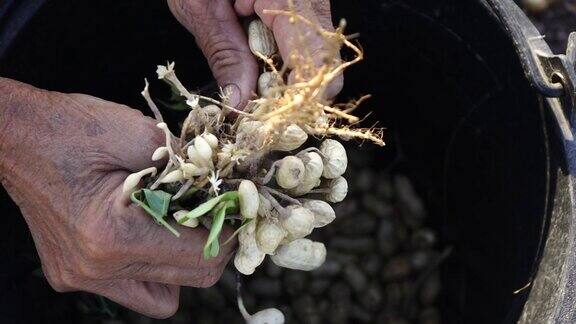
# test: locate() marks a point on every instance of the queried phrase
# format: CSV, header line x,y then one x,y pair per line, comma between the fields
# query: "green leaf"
x,y
158,200
212,246
158,211
233,208
209,205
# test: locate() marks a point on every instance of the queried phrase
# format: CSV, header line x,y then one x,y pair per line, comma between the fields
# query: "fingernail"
x,y
232,93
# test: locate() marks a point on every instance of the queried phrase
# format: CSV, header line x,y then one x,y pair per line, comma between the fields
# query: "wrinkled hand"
x,y
63,159
218,32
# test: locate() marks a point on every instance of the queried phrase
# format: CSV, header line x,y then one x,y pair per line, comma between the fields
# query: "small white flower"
x,y
163,71
229,151
214,181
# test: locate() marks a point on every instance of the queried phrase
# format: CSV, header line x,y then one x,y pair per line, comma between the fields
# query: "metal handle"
x,y
552,75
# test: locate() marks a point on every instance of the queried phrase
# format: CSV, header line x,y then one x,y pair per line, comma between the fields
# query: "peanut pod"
x,y
324,214
314,167
269,235
248,257
335,158
302,254
249,199
299,223
338,190
260,38
290,172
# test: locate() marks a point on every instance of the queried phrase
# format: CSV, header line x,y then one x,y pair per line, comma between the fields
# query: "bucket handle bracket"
x,y
553,75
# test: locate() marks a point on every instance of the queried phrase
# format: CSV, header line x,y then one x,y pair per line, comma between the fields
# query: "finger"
x,y
151,299
287,33
321,8
186,251
221,38
244,8
323,11
167,274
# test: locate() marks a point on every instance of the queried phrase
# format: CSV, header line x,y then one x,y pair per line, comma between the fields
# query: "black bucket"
x,y
465,115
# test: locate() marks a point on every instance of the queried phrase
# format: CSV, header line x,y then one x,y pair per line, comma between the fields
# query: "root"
x,y
303,102
371,134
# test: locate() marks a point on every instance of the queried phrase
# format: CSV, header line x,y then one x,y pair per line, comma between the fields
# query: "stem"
x,y
164,173
267,212
241,307
281,210
188,144
185,127
151,104
234,217
168,137
310,149
170,228
313,149
270,173
183,189
223,105
281,195
171,77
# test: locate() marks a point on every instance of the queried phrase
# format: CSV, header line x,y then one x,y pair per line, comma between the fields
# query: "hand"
x,y
63,159
218,33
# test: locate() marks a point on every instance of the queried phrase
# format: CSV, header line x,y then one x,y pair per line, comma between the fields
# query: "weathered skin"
x,y
63,159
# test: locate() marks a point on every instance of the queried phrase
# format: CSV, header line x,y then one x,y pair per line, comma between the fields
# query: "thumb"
x,y
221,38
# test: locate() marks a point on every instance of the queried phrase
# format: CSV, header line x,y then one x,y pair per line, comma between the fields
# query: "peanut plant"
x,y
270,170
